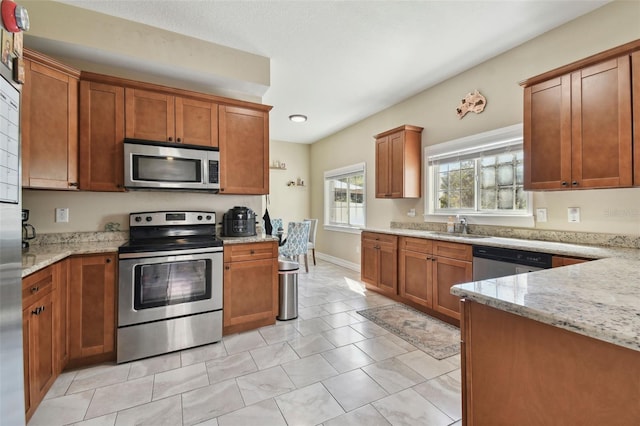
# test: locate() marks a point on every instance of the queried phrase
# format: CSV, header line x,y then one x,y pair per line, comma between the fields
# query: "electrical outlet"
x,y
62,214
541,215
411,213
573,214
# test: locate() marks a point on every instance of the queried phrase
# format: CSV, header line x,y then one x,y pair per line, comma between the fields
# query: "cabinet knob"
x,y
574,183
433,259
35,289
108,260
227,267
179,140
564,183
73,184
170,139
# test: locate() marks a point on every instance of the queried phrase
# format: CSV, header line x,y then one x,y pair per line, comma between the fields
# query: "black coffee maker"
x,y
28,231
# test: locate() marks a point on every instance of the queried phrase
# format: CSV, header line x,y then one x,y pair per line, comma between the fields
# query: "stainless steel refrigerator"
x,y
11,356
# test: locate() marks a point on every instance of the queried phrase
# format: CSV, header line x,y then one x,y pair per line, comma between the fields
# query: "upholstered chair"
x,y
311,245
296,243
275,224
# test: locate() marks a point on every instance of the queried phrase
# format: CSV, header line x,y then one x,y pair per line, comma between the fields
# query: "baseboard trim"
x,y
338,261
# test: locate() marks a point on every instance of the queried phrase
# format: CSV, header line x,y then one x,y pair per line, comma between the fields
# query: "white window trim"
x,y
469,144
354,168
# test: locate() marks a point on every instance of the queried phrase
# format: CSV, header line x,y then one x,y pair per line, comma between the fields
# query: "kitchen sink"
x,y
459,235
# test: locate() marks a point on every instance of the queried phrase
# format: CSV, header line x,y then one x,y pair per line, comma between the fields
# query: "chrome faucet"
x,y
463,225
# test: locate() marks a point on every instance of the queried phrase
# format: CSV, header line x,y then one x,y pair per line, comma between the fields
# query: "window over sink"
x,y
479,176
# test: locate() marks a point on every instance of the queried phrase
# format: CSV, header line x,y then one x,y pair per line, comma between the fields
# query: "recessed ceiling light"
x,y
298,118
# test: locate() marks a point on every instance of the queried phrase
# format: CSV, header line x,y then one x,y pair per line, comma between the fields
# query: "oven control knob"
x,y
138,219
199,217
208,217
148,218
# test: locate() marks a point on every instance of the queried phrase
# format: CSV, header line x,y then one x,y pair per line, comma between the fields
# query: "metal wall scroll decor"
x,y
473,102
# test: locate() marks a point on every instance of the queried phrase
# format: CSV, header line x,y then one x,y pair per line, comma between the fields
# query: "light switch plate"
x,y
541,215
573,214
62,214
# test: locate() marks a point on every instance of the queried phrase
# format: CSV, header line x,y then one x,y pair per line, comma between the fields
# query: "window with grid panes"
x,y
481,174
344,201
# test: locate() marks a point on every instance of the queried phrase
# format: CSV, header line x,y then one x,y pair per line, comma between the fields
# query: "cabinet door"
x,y
61,301
101,137
196,122
49,128
250,294
415,273
601,125
244,151
547,135
396,162
447,273
388,268
38,326
92,305
369,261
383,167
149,115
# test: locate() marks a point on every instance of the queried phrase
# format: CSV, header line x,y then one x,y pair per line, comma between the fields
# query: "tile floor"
x,y
330,367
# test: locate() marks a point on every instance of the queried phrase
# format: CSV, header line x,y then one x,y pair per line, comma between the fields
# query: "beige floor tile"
x,y
363,416
120,396
426,365
343,336
165,412
154,365
265,413
380,348
309,370
445,393
273,355
231,366
242,342
62,410
100,375
279,333
393,375
347,358
409,408
309,345
318,405
203,353
106,420
264,384
354,389
206,403
180,380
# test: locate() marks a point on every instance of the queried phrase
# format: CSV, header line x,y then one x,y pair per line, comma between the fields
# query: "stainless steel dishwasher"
x,y
495,262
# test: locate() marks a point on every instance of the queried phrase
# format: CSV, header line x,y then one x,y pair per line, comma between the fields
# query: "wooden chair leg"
x,y
313,252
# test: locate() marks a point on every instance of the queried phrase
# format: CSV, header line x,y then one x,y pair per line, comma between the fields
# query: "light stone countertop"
x,y
599,299
40,256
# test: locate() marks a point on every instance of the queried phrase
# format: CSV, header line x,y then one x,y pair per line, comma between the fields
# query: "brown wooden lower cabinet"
x,y
557,261
250,286
39,336
379,262
92,302
517,371
427,271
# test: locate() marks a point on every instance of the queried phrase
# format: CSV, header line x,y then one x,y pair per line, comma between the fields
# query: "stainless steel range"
x,y
170,284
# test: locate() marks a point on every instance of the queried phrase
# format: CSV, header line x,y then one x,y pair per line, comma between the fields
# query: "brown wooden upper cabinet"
x,y
578,129
49,123
159,116
398,162
101,137
635,82
244,150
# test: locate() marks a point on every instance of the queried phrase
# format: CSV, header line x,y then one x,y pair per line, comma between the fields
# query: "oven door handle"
x,y
164,253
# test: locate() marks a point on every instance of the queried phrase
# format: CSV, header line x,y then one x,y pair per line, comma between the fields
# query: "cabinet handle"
x,y
38,310
108,260
179,140
170,139
227,267
428,258
574,183
73,184
564,183
35,289
252,252
433,259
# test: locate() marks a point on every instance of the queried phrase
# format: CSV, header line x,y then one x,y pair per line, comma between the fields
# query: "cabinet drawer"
x,y
36,285
420,245
250,251
453,250
380,238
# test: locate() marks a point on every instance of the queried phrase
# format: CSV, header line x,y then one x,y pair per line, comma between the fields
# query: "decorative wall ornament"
x,y
473,102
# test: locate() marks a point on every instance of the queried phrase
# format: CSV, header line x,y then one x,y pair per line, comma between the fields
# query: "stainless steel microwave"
x,y
170,166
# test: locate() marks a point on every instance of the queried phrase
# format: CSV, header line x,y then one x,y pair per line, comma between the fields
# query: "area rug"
x,y
436,338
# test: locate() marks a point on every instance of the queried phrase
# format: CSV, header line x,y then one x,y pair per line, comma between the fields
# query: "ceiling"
x,y
339,62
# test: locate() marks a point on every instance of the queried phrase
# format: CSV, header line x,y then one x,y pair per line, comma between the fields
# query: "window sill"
x,y
520,221
345,229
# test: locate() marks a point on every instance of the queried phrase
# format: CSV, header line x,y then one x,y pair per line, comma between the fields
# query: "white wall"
x,y
616,211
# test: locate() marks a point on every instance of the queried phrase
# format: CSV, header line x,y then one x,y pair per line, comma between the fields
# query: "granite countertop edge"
x,y
39,256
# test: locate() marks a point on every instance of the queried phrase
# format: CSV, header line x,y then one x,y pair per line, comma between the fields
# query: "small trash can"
x,y
288,289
